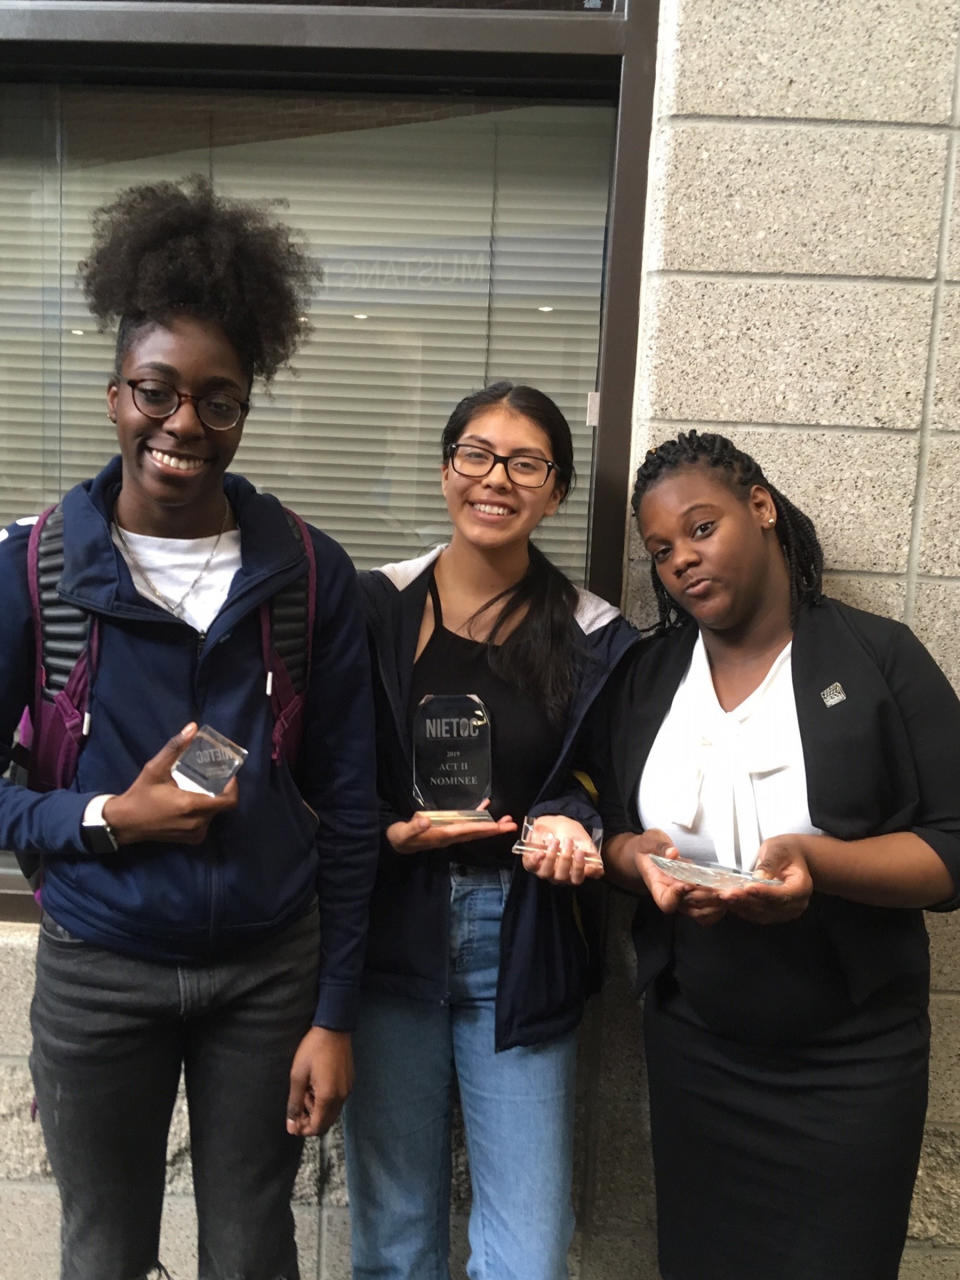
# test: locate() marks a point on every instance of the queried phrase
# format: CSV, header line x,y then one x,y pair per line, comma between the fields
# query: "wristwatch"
x,y
98,835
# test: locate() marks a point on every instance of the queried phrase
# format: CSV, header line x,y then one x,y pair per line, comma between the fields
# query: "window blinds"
x,y
460,242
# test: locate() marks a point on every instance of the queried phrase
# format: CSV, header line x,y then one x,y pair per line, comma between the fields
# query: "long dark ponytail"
x,y
539,655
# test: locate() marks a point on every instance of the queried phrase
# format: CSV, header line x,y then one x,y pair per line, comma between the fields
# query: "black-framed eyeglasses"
x,y
524,469
217,410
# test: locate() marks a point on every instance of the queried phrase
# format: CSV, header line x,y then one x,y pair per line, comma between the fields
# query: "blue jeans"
x,y
518,1111
110,1034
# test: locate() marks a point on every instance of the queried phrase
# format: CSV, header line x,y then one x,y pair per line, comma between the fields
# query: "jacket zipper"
x,y
214,860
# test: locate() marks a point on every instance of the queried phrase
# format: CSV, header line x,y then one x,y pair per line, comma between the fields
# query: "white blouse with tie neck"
x,y
719,783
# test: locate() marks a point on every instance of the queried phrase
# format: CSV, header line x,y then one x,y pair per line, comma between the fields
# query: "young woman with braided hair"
x,y
795,531
771,730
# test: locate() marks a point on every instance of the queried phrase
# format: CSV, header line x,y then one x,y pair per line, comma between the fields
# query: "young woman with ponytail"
x,y
476,970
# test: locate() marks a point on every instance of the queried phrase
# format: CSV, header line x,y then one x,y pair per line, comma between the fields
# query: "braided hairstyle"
x,y
795,530
539,655
168,248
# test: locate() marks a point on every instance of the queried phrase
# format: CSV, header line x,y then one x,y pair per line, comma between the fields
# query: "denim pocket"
x,y
57,933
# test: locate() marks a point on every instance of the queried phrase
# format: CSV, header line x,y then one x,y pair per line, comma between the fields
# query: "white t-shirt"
x,y
719,783
173,564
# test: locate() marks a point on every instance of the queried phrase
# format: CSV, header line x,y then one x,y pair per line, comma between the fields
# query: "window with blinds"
x,y
461,241
543,6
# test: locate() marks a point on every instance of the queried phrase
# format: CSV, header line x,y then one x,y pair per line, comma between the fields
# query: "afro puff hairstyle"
x,y
170,248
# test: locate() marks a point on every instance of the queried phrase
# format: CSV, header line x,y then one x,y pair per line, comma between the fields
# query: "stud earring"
x,y
771,521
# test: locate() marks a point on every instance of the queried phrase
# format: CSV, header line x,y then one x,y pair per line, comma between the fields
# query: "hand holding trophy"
x,y
560,850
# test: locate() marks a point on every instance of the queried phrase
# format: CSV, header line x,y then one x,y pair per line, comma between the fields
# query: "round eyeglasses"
x,y
217,409
524,469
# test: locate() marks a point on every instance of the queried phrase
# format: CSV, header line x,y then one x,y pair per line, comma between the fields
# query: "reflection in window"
x,y
461,241
544,6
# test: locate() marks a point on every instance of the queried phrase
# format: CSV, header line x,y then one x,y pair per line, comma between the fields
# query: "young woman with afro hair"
x,y
217,936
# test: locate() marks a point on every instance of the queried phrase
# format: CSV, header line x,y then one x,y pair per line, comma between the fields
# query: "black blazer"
x,y
884,758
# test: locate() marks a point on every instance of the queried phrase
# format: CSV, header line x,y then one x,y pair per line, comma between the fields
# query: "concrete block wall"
x,y
802,295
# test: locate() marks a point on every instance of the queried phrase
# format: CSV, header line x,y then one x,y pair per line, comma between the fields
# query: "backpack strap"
x,y
63,632
286,635
33,583
66,649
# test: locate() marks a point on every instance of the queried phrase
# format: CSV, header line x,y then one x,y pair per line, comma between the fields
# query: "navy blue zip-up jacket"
x,y
545,961
261,863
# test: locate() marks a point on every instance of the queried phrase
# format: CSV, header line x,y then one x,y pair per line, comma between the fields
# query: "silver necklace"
x,y
175,606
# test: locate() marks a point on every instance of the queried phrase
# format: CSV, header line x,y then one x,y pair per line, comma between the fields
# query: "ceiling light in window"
x,y
78,332
544,308
361,315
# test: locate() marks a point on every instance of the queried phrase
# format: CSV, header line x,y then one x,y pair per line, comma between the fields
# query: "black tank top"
x,y
523,744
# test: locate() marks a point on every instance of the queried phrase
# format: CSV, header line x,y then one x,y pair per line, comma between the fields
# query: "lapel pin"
x,y
833,694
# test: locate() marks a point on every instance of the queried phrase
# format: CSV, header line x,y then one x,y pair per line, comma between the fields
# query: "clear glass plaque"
x,y
208,763
452,767
710,875
534,838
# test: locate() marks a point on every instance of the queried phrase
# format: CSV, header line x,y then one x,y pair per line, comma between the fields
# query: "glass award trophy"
x,y
711,875
534,839
452,767
208,762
